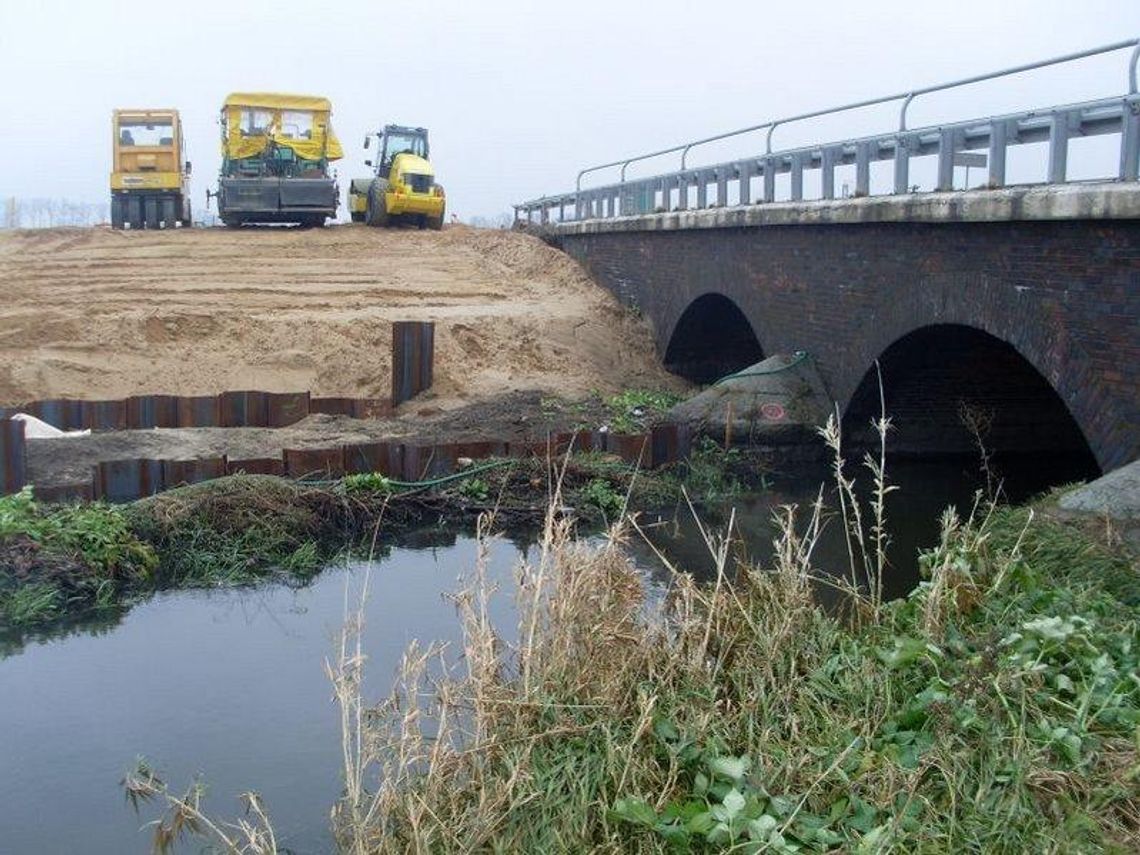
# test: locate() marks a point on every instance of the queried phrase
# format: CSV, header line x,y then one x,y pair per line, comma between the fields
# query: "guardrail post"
x,y
1058,147
702,190
997,154
744,179
863,169
1130,140
797,177
945,160
769,179
721,188
902,164
827,171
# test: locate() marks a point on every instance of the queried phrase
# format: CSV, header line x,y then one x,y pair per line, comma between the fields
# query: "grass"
x,y
631,411
995,709
57,561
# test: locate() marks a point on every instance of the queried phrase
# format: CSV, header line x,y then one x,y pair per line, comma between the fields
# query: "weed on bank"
x,y
995,709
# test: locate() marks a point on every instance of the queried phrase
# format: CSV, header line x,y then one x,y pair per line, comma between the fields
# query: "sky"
x,y
518,96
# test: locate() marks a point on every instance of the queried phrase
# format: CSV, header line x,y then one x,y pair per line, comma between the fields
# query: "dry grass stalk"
x,y
184,816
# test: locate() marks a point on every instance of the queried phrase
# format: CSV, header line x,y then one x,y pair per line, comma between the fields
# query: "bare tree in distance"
x,y
499,221
45,213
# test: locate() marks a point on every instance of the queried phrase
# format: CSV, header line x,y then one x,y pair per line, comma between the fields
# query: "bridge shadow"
x,y
711,339
948,386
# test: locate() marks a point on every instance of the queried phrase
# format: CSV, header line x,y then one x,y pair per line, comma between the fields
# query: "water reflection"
x,y
926,487
229,684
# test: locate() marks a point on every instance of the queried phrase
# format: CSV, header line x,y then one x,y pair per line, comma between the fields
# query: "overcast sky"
x,y
517,95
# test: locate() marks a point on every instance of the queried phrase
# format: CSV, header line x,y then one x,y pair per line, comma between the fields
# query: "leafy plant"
x,y
600,493
475,488
368,482
632,410
97,533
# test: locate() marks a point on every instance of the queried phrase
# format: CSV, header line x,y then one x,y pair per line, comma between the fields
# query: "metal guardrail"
x,y
1055,125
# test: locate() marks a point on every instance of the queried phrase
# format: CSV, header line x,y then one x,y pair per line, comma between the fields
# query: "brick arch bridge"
x,y
983,300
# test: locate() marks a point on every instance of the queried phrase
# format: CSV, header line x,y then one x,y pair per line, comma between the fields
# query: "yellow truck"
x,y
276,151
148,177
403,186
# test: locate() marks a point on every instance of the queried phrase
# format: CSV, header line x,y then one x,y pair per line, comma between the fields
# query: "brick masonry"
x,y
1065,294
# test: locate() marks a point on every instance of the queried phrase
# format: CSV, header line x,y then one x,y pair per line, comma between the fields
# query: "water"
x,y
925,487
230,684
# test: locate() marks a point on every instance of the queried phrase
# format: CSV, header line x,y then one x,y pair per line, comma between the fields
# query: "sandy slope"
x,y
94,313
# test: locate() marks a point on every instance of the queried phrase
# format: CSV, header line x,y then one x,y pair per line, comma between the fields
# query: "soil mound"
x,y
95,313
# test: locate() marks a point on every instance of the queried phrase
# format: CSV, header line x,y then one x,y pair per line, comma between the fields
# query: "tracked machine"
x,y
148,175
276,151
403,187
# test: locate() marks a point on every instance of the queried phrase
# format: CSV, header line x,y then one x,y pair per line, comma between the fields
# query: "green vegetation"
x,y
57,561
233,531
713,473
631,411
634,410
601,495
475,488
61,559
368,482
995,709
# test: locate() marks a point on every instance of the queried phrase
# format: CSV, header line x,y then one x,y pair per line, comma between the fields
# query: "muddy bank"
x,y
68,460
59,561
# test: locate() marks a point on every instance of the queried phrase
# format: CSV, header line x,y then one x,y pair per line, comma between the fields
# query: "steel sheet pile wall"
x,y
413,347
12,459
229,409
413,355
127,480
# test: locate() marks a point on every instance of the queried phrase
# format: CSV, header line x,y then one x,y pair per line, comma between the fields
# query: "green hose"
x,y
454,476
408,486
797,357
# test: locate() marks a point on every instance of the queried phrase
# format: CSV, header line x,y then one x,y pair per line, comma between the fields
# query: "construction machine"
x,y
149,176
403,186
276,151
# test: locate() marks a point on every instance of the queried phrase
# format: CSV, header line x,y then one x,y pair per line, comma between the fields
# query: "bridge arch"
x,y
711,338
939,378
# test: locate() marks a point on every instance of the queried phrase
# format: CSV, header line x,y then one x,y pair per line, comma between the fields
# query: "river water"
x,y
230,684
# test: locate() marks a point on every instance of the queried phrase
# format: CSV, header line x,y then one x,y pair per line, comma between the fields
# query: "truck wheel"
x,y
377,206
151,206
187,214
168,212
116,211
435,223
133,212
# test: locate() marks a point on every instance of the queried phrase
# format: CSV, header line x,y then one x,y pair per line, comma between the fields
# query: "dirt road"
x,y
93,313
